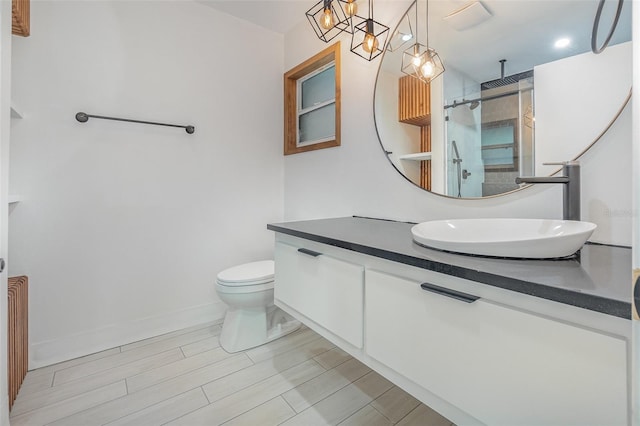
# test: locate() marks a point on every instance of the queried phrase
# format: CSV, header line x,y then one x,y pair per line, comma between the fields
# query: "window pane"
x,y
319,88
498,156
497,135
318,124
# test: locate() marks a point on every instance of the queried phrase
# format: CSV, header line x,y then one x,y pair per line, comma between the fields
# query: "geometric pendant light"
x,y
420,61
329,19
369,37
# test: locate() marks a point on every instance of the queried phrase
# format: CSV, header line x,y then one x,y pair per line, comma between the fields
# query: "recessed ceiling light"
x,y
562,43
406,37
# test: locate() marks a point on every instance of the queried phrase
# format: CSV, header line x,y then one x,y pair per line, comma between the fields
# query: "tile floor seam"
x,y
103,403
183,415
205,394
292,348
287,402
187,331
204,384
252,408
70,397
78,412
403,417
337,365
276,372
149,406
188,372
173,347
114,367
382,414
320,400
52,366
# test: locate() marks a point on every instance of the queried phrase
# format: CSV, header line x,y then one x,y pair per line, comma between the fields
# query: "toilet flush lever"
x,y
309,252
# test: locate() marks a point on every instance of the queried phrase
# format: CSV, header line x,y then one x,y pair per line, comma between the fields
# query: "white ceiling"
x,y
521,31
277,15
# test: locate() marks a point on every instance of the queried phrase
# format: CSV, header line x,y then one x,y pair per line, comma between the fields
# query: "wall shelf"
x,y
418,156
14,198
15,111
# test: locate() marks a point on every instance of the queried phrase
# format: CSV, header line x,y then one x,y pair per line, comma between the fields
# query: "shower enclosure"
x,y
489,137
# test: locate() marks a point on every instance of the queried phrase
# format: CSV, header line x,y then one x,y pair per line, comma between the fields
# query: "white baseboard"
x,y
65,348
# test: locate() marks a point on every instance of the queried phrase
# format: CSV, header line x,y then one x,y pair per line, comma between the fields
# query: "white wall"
x,y
123,226
356,178
401,138
575,99
5,99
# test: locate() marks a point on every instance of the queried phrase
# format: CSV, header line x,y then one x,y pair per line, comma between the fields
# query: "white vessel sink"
x,y
521,238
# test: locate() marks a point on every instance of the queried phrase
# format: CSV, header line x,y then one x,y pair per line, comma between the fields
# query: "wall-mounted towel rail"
x,y
83,117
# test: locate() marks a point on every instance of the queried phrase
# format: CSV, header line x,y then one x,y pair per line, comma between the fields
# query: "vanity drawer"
x,y
327,290
498,364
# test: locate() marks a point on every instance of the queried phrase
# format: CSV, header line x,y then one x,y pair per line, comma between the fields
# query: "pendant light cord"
x,y
427,23
417,27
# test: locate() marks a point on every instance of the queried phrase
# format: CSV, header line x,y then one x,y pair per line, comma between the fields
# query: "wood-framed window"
x,y
312,103
499,145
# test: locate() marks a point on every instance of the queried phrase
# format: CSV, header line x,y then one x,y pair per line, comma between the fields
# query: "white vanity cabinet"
x,y
327,290
501,365
477,353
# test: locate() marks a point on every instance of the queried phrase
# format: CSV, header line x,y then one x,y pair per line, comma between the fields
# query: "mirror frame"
x,y
525,186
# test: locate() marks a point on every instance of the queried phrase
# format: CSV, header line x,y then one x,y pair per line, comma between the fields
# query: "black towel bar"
x,y
83,117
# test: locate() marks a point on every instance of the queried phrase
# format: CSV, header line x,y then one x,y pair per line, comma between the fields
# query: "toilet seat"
x,y
246,288
259,275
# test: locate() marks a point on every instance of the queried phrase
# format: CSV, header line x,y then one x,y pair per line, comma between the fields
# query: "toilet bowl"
x,y
251,319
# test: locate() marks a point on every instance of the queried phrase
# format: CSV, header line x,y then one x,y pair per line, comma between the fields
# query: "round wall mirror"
x,y
521,88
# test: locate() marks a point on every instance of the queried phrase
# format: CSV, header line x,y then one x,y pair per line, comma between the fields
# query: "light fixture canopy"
x,y
329,19
421,61
369,37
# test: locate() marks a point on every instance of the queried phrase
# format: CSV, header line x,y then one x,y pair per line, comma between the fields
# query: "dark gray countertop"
x,y
598,279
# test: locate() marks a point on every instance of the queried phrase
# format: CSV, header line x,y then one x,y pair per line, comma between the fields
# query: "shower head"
x,y
473,105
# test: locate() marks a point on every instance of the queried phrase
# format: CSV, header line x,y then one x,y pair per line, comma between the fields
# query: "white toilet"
x,y
252,319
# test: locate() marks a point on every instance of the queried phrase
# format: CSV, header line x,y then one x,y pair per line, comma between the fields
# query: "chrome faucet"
x,y
570,190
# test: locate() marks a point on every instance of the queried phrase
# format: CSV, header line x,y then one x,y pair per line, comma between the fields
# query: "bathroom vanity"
x,y
481,340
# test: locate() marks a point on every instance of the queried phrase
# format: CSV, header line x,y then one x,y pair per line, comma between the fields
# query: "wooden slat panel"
x,y
425,166
18,337
20,17
414,101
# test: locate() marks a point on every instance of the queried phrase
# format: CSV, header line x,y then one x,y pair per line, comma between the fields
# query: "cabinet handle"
x,y
458,295
309,252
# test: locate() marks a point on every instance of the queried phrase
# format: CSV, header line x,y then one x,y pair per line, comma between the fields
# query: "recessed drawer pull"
x,y
458,295
309,252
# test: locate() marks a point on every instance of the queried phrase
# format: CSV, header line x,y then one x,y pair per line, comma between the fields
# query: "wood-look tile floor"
x,y
186,378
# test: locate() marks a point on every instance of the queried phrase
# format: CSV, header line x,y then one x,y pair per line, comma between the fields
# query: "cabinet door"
x,y
500,365
325,289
